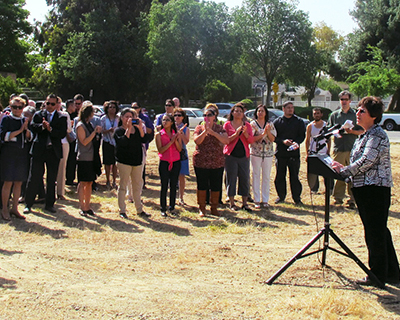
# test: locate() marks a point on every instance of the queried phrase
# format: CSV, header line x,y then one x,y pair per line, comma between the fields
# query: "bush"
x,y
306,112
7,87
217,91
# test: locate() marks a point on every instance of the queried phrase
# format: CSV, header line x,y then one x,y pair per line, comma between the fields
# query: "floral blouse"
x,y
209,154
370,160
262,148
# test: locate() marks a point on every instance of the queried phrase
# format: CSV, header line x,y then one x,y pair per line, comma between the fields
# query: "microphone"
x,y
326,133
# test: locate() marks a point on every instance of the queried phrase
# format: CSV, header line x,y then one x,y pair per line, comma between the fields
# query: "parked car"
x,y
273,114
390,121
195,116
224,108
98,110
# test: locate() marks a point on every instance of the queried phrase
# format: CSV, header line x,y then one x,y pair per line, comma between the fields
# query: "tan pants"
x,y
133,175
339,190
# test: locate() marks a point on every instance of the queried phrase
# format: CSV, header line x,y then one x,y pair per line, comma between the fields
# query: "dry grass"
x,y
63,266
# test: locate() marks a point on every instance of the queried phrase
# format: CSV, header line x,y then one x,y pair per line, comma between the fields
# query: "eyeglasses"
x,y
136,107
50,103
178,115
167,119
344,99
361,111
208,115
17,107
168,105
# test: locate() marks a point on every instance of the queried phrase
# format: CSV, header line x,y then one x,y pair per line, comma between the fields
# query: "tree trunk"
x,y
269,89
394,102
185,97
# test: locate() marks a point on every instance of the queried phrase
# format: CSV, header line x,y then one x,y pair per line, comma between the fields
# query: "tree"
x,y
188,44
273,33
374,77
217,91
379,26
7,87
103,56
112,60
318,60
329,84
14,30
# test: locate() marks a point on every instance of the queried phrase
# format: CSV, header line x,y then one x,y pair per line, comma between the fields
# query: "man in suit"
x,y
50,127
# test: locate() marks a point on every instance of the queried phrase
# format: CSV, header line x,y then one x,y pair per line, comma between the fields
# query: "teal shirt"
x,y
346,142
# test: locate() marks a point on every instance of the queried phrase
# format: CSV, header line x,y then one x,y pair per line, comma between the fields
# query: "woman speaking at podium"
x,y
371,176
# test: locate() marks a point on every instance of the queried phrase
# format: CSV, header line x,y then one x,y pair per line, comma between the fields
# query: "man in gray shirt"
x,y
342,145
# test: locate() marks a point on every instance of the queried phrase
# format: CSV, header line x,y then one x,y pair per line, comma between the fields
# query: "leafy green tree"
x,y
330,85
217,91
188,44
113,52
14,29
379,26
7,87
319,59
374,77
273,33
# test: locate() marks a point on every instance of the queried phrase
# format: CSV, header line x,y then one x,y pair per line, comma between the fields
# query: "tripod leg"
x,y
358,261
298,255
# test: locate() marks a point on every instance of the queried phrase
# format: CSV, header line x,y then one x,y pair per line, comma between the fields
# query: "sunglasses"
x,y
168,105
50,103
361,111
166,119
17,107
178,115
344,99
208,115
112,107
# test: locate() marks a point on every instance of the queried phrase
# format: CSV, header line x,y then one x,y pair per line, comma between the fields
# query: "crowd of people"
x,y
66,143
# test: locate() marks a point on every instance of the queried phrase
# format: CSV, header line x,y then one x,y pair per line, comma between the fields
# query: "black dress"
x,y
14,155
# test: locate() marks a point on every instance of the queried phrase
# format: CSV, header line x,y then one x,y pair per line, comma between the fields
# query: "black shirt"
x,y
289,128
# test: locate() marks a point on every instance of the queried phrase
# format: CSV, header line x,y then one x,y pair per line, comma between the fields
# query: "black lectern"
x,y
321,165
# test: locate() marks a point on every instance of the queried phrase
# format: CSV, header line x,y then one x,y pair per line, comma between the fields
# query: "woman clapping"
x,y
169,145
129,137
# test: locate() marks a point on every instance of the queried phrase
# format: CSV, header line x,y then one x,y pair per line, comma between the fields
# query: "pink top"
x,y
230,130
171,154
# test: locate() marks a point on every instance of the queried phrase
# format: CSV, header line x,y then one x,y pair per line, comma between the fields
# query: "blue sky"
x,y
335,13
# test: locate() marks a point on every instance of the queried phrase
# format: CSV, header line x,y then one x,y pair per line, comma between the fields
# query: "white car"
x,y
195,116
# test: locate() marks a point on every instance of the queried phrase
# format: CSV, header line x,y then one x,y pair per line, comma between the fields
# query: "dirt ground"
x,y
64,266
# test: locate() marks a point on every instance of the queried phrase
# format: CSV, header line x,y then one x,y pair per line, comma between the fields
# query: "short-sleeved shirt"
x,y
210,153
346,142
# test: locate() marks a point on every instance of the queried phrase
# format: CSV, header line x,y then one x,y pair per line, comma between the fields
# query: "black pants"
x,y
373,204
36,174
168,177
293,164
209,178
71,164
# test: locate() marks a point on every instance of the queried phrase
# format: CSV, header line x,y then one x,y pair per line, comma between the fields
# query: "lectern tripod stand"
x,y
320,164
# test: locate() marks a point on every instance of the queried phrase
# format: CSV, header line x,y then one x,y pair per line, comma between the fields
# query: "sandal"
x,y
247,209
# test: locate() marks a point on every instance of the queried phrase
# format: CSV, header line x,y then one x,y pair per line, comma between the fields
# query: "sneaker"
x,y
144,214
123,215
257,205
246,208
27,210
351,206
90,212
164,214
299,203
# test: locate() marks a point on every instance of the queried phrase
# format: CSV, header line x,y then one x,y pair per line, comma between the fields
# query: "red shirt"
x,y
230,130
